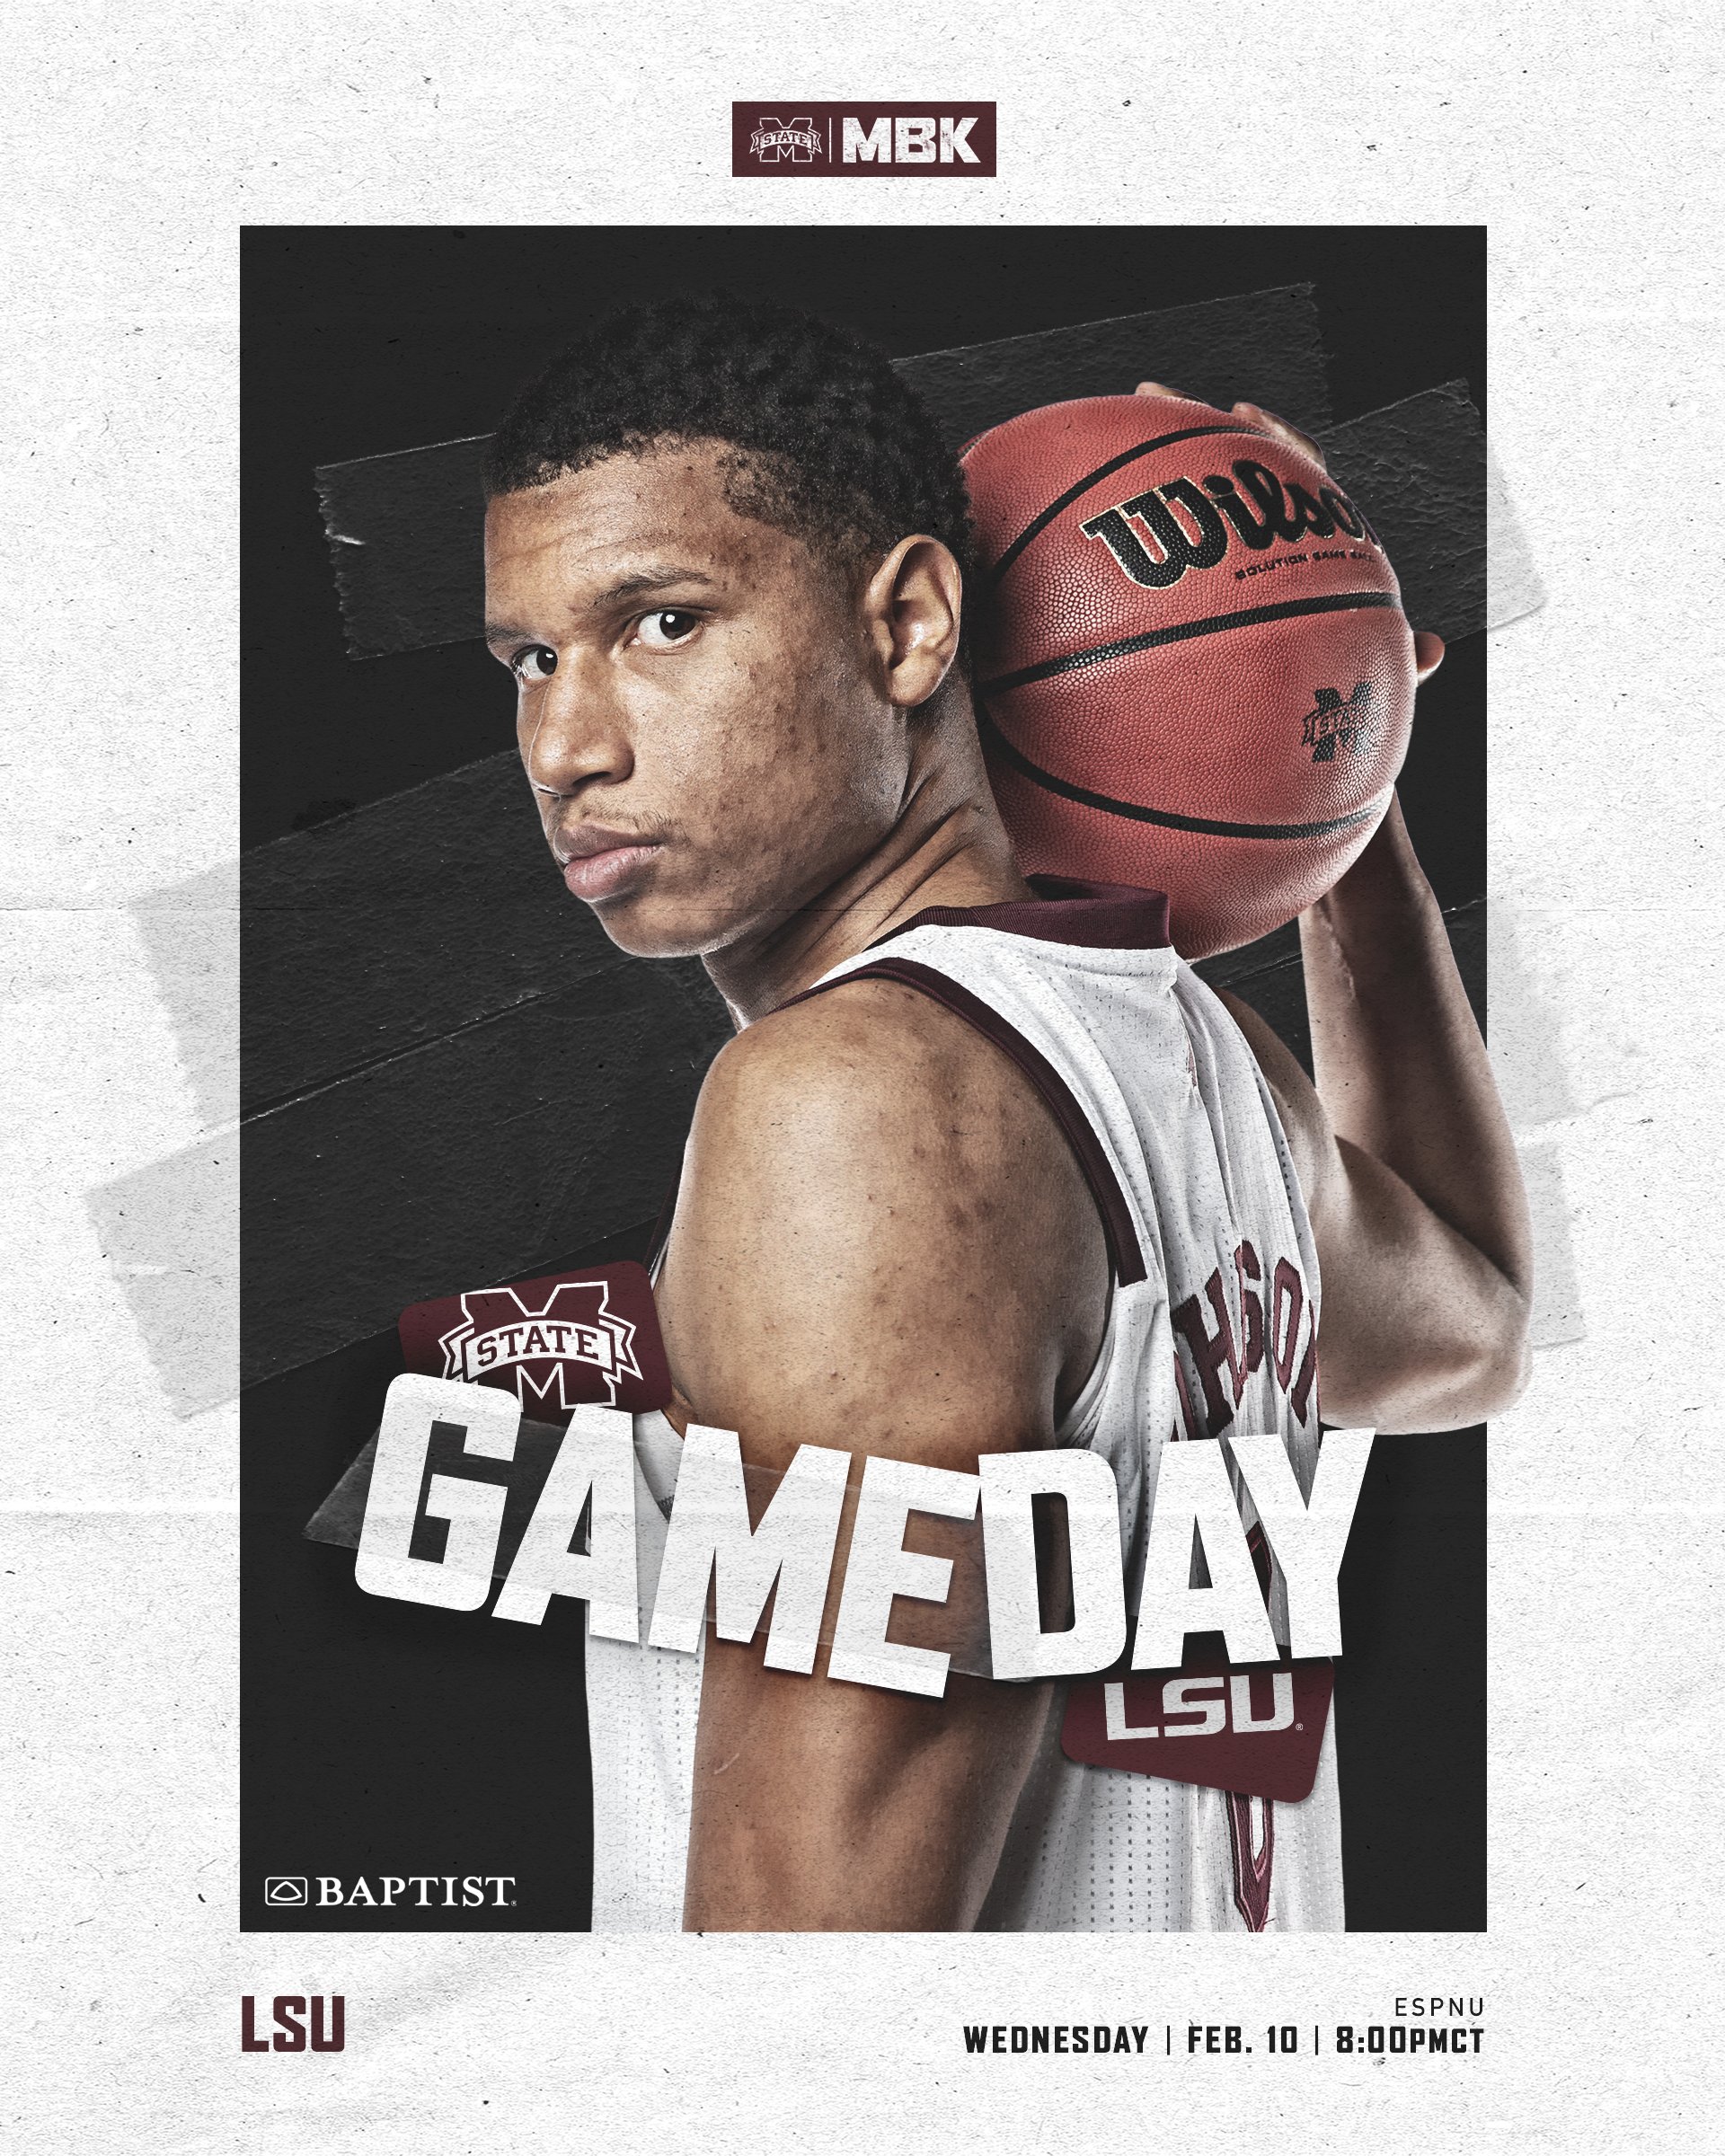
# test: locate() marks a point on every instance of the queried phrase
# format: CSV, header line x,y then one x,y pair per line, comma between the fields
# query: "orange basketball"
x,y
1193,672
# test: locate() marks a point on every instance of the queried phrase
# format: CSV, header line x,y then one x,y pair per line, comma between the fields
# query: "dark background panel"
x,y
454,1054
359,341
416,947
472,1160
405,528
1410,1689
381,1738
376,934
1212,349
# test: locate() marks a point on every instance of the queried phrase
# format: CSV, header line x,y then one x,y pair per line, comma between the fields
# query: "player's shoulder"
x,y
872,1107
874,1200
861,1049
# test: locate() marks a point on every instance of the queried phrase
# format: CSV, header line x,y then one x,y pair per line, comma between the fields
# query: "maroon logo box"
x,y
1256,1731
554,1342
796,138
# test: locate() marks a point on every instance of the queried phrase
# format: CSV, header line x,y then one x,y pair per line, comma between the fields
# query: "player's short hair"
x,y
832,445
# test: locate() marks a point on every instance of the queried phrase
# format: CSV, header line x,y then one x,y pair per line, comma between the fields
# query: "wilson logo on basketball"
x,y
1157,535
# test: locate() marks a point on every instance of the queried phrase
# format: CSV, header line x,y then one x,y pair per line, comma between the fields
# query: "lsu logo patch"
x,y
1255,1732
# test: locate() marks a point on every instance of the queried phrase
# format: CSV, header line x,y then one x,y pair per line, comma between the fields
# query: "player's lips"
x,y
598,863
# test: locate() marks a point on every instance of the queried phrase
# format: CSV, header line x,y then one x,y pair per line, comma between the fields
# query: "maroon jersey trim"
x,y
1251,1868
662,1233
1066,909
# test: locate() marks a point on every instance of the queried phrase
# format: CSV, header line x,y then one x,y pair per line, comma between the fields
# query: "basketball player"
x,y
975,1145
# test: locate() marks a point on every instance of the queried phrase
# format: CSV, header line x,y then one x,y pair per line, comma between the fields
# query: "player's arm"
x,y
883,1245
1403,1150
1406,1157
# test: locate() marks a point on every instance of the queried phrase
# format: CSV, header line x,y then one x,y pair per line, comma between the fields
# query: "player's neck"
x,y
946,847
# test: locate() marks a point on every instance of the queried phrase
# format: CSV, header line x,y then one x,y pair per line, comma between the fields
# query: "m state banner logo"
x,y
797,139
1331,721
574,1326
555,1342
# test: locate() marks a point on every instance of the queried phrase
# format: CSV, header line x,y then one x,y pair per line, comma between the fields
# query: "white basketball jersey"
x,y
1212,1326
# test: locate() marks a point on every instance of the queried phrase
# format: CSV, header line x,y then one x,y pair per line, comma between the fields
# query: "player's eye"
x,y
668,626
536,662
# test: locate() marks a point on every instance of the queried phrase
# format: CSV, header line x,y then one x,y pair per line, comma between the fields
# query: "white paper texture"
x,y
139,143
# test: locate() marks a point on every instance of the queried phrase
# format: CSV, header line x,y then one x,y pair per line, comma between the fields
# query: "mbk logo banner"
x,y
793,138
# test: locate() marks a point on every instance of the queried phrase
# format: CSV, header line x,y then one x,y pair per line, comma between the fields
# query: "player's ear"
x,y
911,611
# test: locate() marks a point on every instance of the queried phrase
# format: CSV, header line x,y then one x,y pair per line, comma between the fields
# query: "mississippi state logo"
x,y
1331,724
795,141
555,1342
500,1333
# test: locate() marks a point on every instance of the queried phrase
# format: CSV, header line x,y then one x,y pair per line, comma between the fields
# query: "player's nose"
x,y
576,732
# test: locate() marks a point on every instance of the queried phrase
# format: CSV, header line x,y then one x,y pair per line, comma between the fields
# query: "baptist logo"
x,y
798,140
575,1324
1216,1709
396,1890
1331,721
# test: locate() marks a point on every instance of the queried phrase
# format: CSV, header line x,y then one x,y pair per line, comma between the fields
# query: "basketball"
x,y
1193,673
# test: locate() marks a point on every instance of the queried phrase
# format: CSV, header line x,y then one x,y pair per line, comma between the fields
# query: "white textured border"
x,y
148,136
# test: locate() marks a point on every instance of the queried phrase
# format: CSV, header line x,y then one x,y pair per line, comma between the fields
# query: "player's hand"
x,y
1428,648
1250,415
